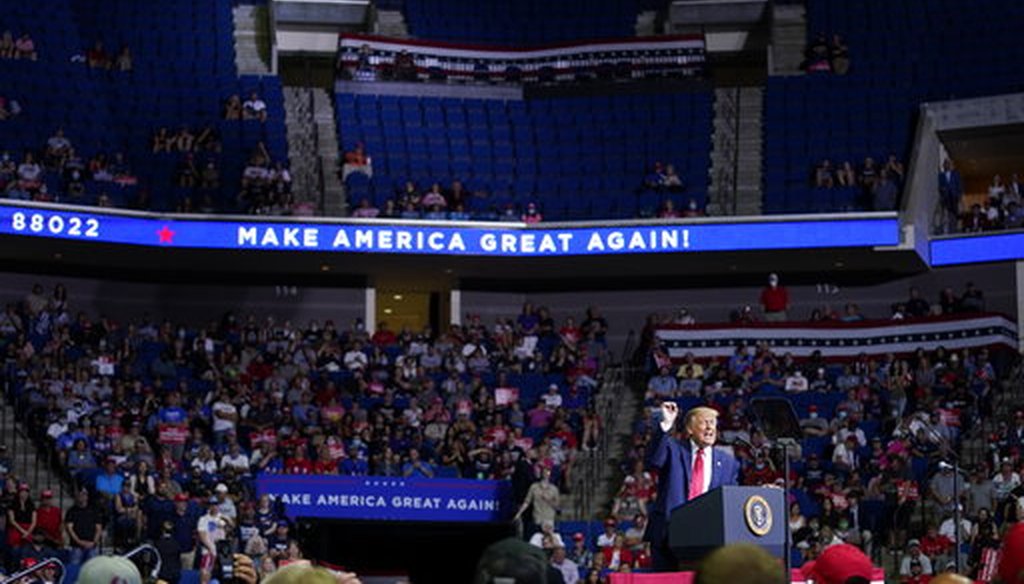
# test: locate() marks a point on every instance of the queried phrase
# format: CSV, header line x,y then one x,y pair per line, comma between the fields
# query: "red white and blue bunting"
x,y
839,339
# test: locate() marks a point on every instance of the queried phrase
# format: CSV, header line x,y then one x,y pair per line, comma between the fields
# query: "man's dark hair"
x,y
512,560
857,580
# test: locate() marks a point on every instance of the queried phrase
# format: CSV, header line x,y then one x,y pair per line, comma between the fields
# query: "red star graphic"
x,y
166,235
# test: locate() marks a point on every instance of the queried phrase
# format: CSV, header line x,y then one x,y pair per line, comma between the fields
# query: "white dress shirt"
x,y
666,426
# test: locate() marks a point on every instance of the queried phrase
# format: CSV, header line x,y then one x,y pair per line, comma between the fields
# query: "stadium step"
x,y
621,405
391,23
298,107
251,31
647,23
27,463
789,37
313,149
735,172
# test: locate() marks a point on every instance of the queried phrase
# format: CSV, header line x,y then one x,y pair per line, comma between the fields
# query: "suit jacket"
x,y
951,189
674,462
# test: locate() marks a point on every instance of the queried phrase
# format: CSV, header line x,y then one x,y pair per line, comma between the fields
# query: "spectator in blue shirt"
x,y
172,413
80,457
110,480
356,465
416,467
186,515
67,440
663,385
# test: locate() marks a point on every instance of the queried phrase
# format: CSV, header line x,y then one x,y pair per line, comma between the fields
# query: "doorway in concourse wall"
x,y
411,309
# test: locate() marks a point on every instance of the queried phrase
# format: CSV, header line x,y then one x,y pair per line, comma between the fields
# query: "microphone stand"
x,y
787,541
956,511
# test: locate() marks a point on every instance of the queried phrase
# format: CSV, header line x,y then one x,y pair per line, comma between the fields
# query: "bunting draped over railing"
x,y
842,339
635,58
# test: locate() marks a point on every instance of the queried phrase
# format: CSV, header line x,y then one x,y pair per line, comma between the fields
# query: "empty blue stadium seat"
x,y
183,57
521,22
907,52
549,151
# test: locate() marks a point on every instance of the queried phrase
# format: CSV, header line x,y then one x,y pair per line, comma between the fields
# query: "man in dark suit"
x,y
686,470
951,190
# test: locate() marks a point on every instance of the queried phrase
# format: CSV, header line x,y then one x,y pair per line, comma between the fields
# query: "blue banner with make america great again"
x,y
389,498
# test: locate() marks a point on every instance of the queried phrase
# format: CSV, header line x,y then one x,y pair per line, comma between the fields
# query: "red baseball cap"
x,y
839,563
180,497
46,494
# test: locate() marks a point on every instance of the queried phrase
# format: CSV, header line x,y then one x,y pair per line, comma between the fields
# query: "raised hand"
x,y
669,412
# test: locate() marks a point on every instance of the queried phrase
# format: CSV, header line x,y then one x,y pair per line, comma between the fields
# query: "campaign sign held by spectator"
x,y
389,498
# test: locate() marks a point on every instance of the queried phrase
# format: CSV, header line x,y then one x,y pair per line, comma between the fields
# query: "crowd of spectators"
x,y
879,185
435,202
824,55
883,448
266,187
999,209
775,306
664,182
22,47
98,58
252,108
160,428
57,173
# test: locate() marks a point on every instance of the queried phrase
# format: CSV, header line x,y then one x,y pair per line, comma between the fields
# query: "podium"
x,y
728,515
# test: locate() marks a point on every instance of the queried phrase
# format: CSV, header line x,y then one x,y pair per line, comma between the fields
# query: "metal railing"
x,y
154,555
44,468
321,188
594,463
20,576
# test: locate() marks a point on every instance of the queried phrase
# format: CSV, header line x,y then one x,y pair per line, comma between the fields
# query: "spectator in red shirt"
x,y
935,545
618,554
325,464
774,300
97,57
384,337
48,519
761,473
356,160
299,464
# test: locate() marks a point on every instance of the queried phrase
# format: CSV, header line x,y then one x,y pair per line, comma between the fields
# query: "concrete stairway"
x,y
27,463
250,25
298,109
789,38
329,153
391,23
751,142
313,149
647,23
619,405
736,152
